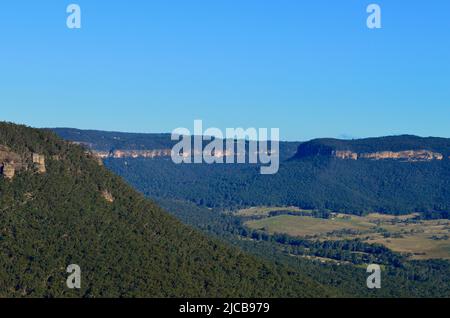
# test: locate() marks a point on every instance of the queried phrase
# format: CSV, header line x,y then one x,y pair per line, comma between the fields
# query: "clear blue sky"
x,y
311,68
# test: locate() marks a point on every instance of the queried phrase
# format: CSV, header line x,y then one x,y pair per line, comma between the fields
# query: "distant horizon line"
x,y
292,140
169,133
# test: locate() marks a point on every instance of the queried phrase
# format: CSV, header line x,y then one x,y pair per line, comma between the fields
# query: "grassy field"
x,y
305,225
264,211
422,239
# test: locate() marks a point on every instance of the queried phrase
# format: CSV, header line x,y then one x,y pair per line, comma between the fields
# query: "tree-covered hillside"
x,y
309,177
347,186
77,212
390,143
401,277
110,141
315,182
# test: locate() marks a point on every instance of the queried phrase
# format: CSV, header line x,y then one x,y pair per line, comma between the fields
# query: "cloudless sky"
x,y
310,68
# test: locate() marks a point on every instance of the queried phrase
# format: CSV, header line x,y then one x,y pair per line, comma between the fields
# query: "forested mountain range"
x,y
321,181
394,175
370,145
75,211
108,143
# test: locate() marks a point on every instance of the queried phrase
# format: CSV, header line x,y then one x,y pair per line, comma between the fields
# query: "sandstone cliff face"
x,y
407,155
155,153
345,155
39,162
7,170
11,162
117,154
6,155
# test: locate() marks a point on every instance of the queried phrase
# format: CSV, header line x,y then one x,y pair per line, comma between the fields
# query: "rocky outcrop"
x,y
107,196
117,154
39,162
11,162
155,153
6,155
345,155
408,155
7,170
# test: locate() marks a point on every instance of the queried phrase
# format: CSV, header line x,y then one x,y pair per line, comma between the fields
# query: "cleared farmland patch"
x,y
418,238
306,226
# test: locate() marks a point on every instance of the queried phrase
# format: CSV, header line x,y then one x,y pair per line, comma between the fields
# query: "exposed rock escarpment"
x,y
7,170
409,155
133,153
152,153
107,196
12,162
39,162
406,155
404,148
345,154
